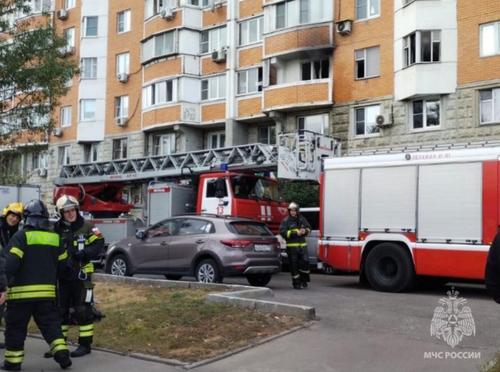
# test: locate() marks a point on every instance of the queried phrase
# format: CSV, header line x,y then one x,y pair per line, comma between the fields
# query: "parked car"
x,y
312,216
208,247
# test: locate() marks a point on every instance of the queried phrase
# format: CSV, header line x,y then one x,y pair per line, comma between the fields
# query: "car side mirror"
x,y
141,234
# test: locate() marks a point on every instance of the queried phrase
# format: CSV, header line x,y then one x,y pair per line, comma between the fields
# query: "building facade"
x,y
164,76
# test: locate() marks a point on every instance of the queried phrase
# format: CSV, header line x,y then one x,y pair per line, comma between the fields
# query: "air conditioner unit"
x,y
383,121
42,172
122,77
121,121
219,55
167,13
62,14
66,51
57,132
344,27
215,4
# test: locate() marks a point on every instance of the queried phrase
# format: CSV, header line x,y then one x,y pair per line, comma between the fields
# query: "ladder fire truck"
x,y
221,181
418,212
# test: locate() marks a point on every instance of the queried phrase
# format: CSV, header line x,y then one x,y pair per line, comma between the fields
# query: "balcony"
x,y
299,39
171,114
298,95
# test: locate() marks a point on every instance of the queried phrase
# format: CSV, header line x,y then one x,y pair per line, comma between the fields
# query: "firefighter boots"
x,y
80,351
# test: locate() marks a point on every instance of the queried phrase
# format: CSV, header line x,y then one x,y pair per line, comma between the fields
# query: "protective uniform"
x,y
35,257
84,242
296,247
492,275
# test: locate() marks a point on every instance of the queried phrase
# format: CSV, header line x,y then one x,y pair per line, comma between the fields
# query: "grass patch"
x,y
493,365
176,323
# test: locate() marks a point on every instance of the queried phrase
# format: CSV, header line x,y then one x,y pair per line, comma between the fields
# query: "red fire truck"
x,y
398,216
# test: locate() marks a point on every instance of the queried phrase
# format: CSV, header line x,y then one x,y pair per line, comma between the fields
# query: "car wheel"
x,y
259,280
119,266
173,277
207,271
389,268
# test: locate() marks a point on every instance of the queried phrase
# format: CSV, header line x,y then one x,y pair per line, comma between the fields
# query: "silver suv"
x,y
207,246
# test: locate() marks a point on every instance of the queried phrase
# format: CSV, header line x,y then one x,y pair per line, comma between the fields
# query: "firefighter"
x,y
294,230
9,224
35,257
84,243
492,275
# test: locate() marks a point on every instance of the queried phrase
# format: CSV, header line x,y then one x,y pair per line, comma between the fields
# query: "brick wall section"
x,y
34,22
163,68
210,67
250,57
71,97
250,8
157,24
368,33
303,38
213,112
120,43
249,107
296,95
470,15
217,17
171,114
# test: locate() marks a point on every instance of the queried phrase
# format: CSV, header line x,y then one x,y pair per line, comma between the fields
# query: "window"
x,y
280,16
250,228
367,9
153,7
39,160
250,187
365,120
121,107
69,36
315,69
490,39
489,105
65,116
421,46
88,68
213,88
122,63
163,228
87,109
250,81
90,26
313,123
90,151
158,46
267,135
213,39
158,93
251,30
216,140
38,6
425,113
367,62
216,188
164,144
63,155
194,227
123,21
119,148
68,4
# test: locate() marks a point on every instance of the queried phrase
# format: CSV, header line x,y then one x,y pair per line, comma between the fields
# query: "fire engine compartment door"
x,y
341,203
388,197
449,203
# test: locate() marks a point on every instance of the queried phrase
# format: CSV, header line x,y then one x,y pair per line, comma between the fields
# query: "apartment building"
x,y
164,76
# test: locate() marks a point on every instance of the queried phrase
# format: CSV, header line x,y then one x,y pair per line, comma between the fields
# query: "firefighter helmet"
x,y
14,208
66,202
293,205
36,215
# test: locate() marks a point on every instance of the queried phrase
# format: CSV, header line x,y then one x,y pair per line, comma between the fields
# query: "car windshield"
x,y
249,187
250,228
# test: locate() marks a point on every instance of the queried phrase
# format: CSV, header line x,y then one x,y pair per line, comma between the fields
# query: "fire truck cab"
x,y
394,217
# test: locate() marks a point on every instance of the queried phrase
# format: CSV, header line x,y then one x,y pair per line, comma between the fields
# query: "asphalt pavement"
x,y
357,330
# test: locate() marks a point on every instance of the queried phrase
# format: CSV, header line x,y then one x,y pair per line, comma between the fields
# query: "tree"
x,y
306,194
33,70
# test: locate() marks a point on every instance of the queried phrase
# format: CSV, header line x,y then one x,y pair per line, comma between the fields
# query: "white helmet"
x,y
293,205
66,202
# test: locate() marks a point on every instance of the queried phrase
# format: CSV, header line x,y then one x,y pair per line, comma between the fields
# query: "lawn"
x,y
176,323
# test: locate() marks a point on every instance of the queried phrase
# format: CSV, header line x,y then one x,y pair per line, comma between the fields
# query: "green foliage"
x,y
306,194
33,72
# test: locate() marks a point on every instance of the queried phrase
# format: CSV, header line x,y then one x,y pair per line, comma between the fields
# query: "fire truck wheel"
x,y
207,271
172,277
389,268
118,265
259,280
